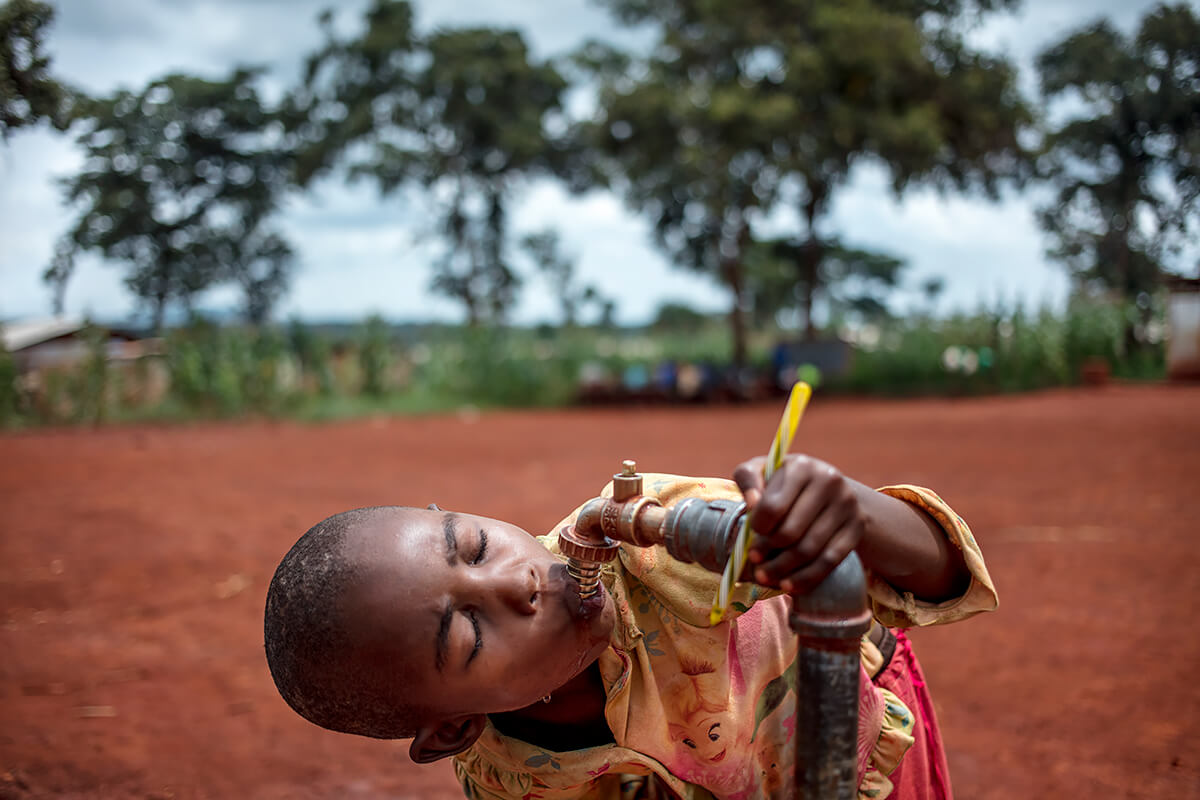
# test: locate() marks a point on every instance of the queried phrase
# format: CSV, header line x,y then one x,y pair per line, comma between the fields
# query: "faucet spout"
x,y
602,522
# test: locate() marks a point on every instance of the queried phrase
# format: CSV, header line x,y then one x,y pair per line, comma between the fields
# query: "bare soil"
x,y
134,561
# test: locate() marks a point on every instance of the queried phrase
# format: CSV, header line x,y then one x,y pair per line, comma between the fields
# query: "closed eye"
x,y
478,637
483,545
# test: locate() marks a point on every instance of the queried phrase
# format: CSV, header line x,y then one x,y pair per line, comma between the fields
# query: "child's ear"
x,y
438,740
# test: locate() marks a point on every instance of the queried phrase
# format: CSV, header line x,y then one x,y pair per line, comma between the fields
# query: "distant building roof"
x,y
26,333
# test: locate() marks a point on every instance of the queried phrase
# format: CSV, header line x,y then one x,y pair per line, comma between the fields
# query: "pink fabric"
x,y
870,719
923,773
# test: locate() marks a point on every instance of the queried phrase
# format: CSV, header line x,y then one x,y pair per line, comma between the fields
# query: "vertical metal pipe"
x,y
829,622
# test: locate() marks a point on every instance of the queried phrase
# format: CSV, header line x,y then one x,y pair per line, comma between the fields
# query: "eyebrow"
x,y
450,529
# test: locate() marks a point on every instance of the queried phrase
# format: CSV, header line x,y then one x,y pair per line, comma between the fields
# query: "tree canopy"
x,y
682,146
461,113
28,92
179,180
1125,160
741,106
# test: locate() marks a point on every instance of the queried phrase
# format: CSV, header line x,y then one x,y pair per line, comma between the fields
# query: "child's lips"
x,y
591,607
581,609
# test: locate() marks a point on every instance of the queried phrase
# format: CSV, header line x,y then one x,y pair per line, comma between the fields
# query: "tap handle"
x,y
627,483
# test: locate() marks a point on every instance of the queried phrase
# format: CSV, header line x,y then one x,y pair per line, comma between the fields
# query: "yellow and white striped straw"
x,y
792,412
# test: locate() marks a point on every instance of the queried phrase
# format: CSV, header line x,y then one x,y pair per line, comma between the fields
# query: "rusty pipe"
x,y
828,621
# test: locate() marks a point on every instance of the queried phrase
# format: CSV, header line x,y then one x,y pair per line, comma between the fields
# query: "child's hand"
x,y
805,521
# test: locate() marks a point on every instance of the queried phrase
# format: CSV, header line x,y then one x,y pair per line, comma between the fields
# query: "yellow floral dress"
x,y
710,711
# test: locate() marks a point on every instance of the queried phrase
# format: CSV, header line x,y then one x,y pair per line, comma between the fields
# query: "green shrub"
x,y
91,380
313,353
12,410
217,371
375,356
993,351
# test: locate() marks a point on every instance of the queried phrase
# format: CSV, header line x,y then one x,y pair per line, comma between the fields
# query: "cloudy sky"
x,y
360,253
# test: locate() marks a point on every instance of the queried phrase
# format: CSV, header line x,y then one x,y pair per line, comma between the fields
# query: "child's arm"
x,y
810,516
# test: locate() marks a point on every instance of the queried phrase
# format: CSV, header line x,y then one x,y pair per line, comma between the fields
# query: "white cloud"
x,y
987,252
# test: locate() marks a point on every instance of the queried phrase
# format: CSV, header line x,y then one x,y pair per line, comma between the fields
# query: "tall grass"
x,y
12,401
1008,351
222,372
312,373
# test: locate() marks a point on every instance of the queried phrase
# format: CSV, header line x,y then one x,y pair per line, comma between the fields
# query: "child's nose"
x,y
519,588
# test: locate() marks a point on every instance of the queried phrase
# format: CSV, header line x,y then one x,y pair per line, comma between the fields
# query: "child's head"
x,y
394,622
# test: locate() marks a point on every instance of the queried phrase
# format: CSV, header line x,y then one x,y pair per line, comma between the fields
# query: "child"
x,y
467,634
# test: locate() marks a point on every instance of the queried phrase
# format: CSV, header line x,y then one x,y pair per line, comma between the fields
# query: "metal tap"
x,y
829,621
585,545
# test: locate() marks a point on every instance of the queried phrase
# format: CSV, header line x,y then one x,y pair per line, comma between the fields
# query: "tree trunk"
x,y
159,304
737,319
809,267
733,271
160,307
810,263
472,310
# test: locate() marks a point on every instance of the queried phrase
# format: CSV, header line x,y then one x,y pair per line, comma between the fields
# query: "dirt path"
x,y
133,564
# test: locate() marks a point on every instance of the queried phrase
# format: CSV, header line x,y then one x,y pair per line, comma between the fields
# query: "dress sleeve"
x,y
903,610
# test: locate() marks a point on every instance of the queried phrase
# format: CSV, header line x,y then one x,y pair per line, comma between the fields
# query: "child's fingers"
x,y
784,534
804,550
779,495
810,500
794,498
749,477
809,577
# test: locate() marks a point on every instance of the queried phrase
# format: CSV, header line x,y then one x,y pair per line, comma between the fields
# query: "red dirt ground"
x,y
134,560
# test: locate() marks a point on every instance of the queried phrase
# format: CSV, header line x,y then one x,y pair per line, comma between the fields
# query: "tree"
x,y
681,144
675,316
849,280
817,86
559,270
179,181
357,91
260,262
1126,164
460,113
28,92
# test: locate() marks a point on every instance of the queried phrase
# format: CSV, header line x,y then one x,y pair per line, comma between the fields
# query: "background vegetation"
x,y
337,371
732,112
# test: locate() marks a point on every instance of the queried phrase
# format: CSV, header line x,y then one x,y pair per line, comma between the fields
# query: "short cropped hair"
x,y
308,651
